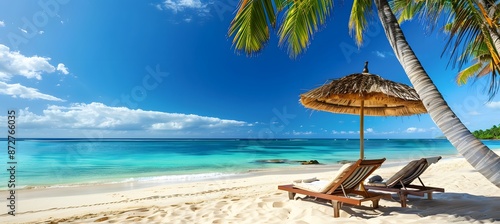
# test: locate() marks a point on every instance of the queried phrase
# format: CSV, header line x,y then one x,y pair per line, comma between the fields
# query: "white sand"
x,y
469,198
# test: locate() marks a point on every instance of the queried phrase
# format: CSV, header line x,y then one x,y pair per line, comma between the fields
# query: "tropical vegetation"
x,y
300,19
491,133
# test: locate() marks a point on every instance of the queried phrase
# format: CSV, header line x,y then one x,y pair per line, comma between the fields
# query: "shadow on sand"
x,y
467,206
445,206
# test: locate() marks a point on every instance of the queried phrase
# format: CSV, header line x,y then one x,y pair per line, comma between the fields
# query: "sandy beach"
x,y
469,198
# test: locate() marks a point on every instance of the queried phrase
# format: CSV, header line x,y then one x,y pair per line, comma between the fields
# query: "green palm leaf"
x,y
250,26
469,72
358,19
254,18
301,20
406,9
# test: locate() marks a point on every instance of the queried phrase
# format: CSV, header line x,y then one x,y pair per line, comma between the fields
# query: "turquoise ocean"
x,y
71,162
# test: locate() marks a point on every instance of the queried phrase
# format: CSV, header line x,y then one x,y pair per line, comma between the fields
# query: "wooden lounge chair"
x,y
342,188
401,181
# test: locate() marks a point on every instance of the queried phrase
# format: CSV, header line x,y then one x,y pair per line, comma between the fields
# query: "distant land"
x,y
492,133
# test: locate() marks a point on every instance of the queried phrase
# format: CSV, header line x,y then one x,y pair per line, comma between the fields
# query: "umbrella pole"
x,y
361,130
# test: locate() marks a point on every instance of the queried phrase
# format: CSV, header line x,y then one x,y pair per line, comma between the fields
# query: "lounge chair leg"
x,y
402,197
336,208
375,203
291,195
429,195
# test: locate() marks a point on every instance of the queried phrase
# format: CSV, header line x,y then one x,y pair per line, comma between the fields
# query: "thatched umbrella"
x,y
364,94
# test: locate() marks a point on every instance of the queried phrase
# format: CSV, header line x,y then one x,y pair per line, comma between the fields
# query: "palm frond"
x,y
406,9
494,81
429,11
448,26
476,50
463,30
484,65
358,19
251,24
301,20
469,72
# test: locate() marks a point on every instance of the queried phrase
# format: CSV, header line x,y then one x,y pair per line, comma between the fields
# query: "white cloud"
x,y
41,32
2,23
97,116
62,68
186,10
381,54
494,105
168,126
14,63
302,132
17,90
411,129
414,130
369,130
23,30
180,5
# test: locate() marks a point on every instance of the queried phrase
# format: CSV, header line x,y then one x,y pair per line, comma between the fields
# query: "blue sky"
x,y
167,69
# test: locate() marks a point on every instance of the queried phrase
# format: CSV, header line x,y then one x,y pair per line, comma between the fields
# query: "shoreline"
x,y
183,201
255,199
130,183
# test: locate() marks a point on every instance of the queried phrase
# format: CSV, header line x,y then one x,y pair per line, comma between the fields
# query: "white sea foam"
x,y
180,178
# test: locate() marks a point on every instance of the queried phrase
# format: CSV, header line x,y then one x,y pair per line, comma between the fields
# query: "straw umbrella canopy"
x,y
364,94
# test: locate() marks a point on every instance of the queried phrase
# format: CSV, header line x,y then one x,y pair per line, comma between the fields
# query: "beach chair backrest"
x,y
357,177
423,164
354,175
411,176
410,172
406,171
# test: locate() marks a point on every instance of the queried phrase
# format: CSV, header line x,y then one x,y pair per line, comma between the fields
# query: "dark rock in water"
x,y
272,161
310,162
345,161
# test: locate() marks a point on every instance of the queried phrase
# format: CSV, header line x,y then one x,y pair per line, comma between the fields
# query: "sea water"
x,y
69,162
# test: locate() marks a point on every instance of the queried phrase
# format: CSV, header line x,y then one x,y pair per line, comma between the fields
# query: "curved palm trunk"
x,y
475,152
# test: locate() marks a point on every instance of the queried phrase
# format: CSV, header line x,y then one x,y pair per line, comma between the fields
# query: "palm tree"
x,y
473,28
475,152
301,19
